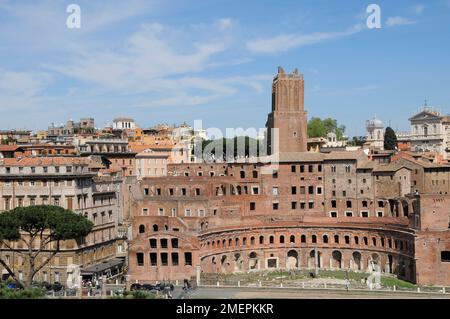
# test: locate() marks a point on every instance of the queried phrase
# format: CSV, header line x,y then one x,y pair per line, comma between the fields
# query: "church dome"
x,y
375,123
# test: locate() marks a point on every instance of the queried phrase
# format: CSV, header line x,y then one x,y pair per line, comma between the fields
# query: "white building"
x,y
430,132
124,123
375,134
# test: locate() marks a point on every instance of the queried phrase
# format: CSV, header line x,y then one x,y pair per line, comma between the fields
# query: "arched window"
x,y
292,239
336,239
325,239
155,227
314,239
261,240
141,229
347,240
252,241
271,239
281,239
303,239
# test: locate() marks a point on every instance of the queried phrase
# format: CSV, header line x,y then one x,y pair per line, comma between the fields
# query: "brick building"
x,y
331,211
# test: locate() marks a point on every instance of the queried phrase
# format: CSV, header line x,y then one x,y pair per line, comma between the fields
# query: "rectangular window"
x,y
302,190
333,204
164,259
188,259
174,259
319,190
293,205
275,206
153,259
293,168
275,191
294,190
160,211
187,212
153,243
445,256
252,206
311,190
140,259
174,242
311,205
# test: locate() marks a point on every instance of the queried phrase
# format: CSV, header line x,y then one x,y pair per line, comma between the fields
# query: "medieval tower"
x,y
287,123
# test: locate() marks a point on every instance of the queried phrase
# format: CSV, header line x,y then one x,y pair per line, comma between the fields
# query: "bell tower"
x,y
287,123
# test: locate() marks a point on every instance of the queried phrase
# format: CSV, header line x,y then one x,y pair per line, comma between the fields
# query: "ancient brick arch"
x,y
366,250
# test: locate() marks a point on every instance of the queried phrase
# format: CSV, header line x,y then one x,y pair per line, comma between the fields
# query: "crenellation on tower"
x,y
288,114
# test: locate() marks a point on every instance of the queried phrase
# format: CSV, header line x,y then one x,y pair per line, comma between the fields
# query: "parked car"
x,y
13,285
147,287
57,286
134,287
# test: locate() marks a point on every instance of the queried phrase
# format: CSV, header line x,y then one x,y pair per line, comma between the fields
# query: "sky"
x,y
170,61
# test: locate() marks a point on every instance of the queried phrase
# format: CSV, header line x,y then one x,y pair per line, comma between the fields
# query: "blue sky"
x,y
173,61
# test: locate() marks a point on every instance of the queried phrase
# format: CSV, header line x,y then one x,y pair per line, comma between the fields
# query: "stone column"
x,y
198,274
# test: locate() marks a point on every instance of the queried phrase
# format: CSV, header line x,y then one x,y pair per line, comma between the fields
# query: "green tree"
x,y
320,128
41,229
357,141
390,139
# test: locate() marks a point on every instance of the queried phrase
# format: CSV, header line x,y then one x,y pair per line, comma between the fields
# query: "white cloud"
x,y
418,9
159,60
399,21
285,42
22,83
224,24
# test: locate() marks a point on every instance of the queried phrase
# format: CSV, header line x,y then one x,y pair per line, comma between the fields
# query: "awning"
x,y
101,267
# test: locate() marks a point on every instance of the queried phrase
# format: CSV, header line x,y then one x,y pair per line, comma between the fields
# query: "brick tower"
x,y
288,116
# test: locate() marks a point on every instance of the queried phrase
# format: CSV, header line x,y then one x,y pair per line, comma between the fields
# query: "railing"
x,y
320,285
